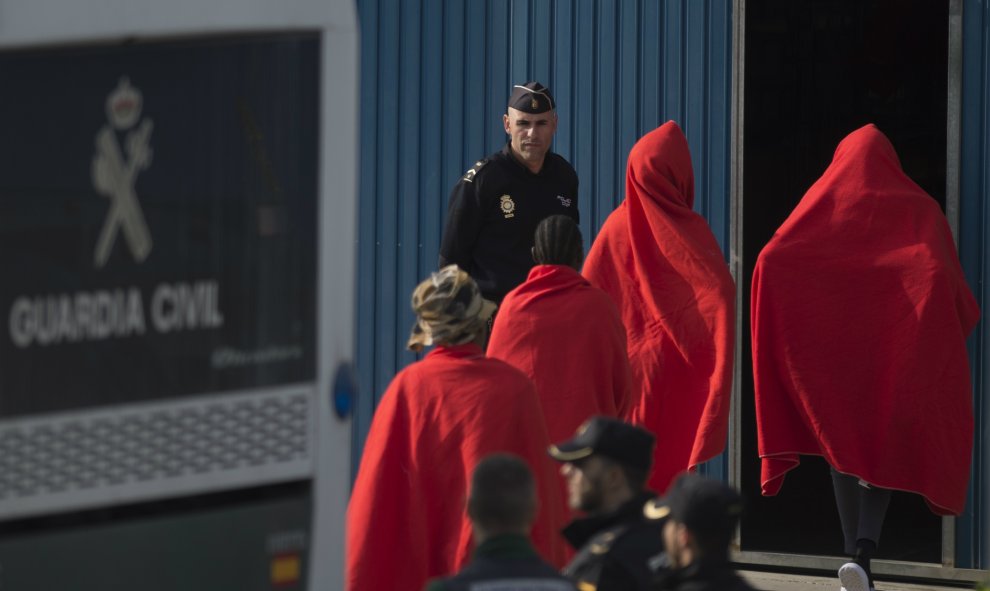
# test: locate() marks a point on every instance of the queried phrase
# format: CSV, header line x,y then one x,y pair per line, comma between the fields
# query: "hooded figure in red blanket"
x,y
659,261
565,334
406,522
860,313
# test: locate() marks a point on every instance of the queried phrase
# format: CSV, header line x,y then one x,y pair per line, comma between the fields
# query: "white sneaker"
x,y
853,577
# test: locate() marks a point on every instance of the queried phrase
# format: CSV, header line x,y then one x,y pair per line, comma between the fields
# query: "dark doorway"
x,y
815,71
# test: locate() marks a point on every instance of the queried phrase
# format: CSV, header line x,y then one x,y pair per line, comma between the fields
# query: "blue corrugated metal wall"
x,y
973,534
435,78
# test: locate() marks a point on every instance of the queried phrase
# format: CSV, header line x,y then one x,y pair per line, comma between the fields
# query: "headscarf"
x,y
449,310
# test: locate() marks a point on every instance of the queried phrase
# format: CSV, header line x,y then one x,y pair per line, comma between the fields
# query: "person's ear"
x,y
505,124
533,510
684,537
615,476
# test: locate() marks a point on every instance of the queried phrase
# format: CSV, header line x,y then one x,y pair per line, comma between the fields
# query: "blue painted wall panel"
x,y
367,251
973,532
435,78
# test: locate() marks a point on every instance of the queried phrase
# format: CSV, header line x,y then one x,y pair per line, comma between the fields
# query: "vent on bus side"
x,y
147,451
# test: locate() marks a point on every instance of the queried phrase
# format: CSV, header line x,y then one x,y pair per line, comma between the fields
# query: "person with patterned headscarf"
x,y
406,521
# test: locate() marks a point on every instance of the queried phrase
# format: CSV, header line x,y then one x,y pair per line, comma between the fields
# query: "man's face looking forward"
x,y
530,135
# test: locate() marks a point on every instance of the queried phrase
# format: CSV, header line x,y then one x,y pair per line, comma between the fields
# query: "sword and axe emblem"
x,y
114,174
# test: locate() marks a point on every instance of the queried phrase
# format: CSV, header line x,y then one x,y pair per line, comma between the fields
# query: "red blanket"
x,y
659,261
859,315
566,335
406,522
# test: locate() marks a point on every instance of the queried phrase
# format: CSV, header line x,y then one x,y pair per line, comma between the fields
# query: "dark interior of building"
x,y
815,71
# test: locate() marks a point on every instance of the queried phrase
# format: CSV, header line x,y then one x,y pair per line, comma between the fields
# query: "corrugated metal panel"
x,y
435,78
973,534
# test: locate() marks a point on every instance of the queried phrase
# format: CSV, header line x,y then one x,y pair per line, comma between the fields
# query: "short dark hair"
x,y
558,241
503,495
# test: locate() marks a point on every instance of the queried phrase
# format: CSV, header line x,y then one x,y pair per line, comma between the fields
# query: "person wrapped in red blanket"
x,y
659,261
406,520
565,334
860,313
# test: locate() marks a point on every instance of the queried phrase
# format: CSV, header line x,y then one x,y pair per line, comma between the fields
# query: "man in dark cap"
x,y
502,507
699,518
494,210
606,464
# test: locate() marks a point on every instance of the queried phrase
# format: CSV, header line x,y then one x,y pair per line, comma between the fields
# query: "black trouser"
x,y
861,509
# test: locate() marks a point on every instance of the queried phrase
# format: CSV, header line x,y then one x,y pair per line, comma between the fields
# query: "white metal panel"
x,y
43,22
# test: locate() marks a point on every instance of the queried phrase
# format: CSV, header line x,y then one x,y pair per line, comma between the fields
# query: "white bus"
x,y
177,239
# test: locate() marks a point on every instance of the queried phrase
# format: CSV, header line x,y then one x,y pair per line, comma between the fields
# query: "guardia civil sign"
x,y
158,223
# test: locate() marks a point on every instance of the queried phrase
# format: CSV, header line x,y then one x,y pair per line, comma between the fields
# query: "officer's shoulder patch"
x,y
471,172
602,543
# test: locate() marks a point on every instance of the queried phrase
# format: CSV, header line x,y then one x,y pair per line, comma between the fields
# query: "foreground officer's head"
x,y
503,497
530,120
700,516
606,463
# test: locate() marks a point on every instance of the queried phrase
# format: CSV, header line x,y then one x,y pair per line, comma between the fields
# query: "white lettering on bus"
x,y
183,306
53,319
113,313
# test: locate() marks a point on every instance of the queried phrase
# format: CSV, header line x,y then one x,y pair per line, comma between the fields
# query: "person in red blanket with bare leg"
x,y
860,313
565,334
406,522
659,261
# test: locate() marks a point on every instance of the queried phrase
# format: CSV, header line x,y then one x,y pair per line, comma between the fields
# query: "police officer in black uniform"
x,y
502,506
495,208
699,518
606,465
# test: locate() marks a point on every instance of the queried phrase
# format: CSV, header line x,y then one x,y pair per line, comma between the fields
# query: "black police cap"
x,y
532,98
612,438
705,506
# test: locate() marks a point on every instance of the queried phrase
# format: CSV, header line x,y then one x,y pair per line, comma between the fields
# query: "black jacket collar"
x,y
579,531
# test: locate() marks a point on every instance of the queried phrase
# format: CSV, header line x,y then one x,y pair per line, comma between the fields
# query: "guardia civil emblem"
x,y
114,172
508,206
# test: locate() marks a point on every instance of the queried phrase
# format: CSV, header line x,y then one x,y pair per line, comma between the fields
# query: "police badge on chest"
x,y
508,206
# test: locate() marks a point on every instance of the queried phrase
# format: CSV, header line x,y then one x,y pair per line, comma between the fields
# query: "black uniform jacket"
x,y
493,213
717,575
507,563
615,549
